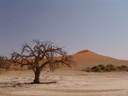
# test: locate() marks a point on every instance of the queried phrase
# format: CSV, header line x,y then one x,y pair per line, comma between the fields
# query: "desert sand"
x,y
87,58
64,83
69,82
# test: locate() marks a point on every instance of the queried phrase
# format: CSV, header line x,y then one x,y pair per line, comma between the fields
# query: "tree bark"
x,y
37,75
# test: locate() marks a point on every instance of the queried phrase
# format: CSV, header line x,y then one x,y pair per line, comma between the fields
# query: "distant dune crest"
x,y
83,51
87,58
87,55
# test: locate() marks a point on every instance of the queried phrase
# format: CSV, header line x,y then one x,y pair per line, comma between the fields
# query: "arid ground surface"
x,y
64,83
69,82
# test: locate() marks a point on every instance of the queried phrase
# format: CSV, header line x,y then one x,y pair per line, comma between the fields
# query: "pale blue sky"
x,y
97,25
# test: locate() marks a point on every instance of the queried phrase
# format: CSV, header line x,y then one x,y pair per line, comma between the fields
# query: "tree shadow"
x,y
50,82
26,85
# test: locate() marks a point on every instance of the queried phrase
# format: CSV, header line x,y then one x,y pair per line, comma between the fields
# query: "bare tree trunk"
x,y
37,75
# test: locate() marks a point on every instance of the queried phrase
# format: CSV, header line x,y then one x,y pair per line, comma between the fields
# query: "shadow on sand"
x,y
14,84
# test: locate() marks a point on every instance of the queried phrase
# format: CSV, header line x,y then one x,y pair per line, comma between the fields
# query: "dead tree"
x,y
40,56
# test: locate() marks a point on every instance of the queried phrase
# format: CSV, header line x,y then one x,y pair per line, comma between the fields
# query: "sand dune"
x,y
87,58
86,55
69,82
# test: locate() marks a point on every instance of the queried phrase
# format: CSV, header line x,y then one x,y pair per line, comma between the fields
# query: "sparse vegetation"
x,y
2,61
96,69
3,64
40,56
102,67
123,66
106,68
109,68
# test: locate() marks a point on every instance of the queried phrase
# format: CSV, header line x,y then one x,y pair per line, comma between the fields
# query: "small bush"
x,y
3,64
2,61
96,69
107,68
123,66
102,67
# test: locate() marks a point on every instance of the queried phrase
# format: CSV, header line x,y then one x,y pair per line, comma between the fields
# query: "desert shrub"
x,y
101,66
96,69
109,67
124,66
2,62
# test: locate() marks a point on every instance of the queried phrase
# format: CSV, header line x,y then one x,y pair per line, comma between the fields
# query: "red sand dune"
x,y
86,55
87,58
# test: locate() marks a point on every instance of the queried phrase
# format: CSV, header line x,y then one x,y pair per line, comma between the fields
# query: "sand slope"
x,y
87,58
86,55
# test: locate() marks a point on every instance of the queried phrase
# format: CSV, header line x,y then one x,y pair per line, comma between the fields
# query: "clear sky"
x,y
97,25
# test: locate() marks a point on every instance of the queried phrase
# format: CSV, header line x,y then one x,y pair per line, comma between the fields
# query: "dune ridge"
x,y
87,58
87,55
